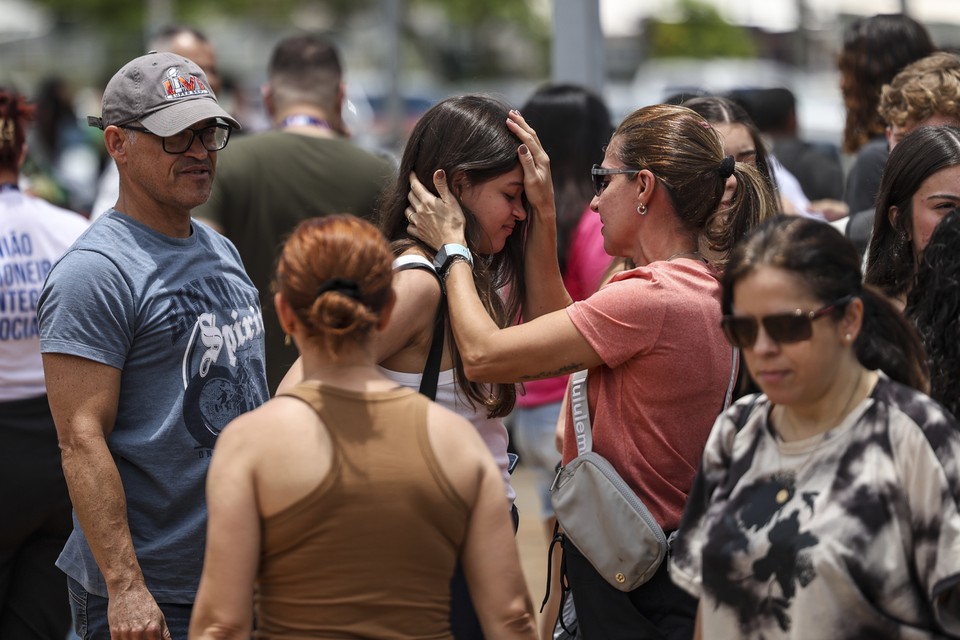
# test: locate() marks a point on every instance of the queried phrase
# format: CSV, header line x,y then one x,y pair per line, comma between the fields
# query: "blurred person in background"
x,y
305,167
825,507
874,50
33,495
63,162
184,41
921,185
816,166
742,140
340,507
152,342
933,306
924,93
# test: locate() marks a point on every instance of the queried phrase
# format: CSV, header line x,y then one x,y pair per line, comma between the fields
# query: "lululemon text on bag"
x,y
600,514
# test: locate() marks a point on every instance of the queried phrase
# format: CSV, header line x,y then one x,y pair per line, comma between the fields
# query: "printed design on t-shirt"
x,y
222,365
22,272
761,590
865,535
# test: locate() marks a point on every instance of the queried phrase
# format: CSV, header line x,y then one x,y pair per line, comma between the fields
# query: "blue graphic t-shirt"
x,y
853,533
181,320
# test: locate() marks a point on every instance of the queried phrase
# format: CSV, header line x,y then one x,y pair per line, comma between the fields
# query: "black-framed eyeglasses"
x,y
213,137
782,328
599,174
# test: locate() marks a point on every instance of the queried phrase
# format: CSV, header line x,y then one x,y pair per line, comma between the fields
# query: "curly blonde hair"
x,y
930,86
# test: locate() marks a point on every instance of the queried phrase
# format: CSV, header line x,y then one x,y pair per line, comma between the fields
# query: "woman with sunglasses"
x,y
827,506
659,366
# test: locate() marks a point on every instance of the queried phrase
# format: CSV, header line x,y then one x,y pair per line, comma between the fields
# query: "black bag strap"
x,y
431,370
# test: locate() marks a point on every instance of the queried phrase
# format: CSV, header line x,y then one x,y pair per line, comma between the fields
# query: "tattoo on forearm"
x,y
564,370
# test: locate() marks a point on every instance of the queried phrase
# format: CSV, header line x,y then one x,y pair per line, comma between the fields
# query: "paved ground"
x,y
531,539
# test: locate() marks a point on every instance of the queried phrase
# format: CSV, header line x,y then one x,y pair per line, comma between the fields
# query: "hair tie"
x,y
346,286
726,167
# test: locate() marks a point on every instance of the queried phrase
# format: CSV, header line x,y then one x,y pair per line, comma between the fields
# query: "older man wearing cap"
x,y
152,342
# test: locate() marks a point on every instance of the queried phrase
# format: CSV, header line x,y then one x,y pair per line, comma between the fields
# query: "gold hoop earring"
x,y
642,209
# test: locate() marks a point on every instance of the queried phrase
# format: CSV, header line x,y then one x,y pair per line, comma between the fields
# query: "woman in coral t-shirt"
x,y
659,364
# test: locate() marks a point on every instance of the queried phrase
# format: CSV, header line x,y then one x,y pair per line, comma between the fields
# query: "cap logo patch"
x,y
177,85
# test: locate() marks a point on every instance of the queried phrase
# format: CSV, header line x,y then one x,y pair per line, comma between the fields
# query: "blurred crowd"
x,y
769,324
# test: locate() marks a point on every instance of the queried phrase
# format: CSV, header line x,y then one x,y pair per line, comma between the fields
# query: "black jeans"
x,y
35,512
655,609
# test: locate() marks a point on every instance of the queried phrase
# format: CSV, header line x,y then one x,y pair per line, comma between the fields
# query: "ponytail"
x,y
753,202
887,341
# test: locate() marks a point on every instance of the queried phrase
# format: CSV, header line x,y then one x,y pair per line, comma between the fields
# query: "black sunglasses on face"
x,y
213,138
599,174
782,328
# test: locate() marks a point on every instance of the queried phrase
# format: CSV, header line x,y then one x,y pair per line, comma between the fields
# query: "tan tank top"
x,y
370,552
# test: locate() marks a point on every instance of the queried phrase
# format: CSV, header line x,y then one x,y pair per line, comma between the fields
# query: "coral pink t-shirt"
x,y
665,375
586,264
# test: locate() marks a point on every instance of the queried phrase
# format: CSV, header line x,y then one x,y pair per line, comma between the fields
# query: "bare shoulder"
x,y
416,284
269,426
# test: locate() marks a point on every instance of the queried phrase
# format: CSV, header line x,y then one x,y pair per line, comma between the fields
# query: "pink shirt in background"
x,y
586,264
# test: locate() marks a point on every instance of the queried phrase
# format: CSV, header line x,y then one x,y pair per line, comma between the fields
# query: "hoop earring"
x,y
642,209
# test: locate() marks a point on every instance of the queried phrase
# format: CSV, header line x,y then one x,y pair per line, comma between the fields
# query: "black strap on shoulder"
x,y
431,370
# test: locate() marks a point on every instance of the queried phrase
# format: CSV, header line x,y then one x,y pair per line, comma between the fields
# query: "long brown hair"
x,y
467,137
874,50
891,264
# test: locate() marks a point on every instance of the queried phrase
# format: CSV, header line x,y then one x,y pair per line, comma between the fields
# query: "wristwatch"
x,y
447,254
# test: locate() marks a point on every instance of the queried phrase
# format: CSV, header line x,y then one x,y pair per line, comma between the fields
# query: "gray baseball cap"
x,y
165,92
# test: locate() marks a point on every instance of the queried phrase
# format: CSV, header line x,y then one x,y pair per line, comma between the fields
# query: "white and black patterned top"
x,y
854,533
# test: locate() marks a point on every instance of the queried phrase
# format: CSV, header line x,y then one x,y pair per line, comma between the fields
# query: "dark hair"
x,y
352,253
720,110
934,308
829,264
874,50
573,125
891,263
773,109
162,38
15,114
306,68
684,152
467,137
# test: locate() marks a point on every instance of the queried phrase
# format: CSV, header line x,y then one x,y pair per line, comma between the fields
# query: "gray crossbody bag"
x,y
599,513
